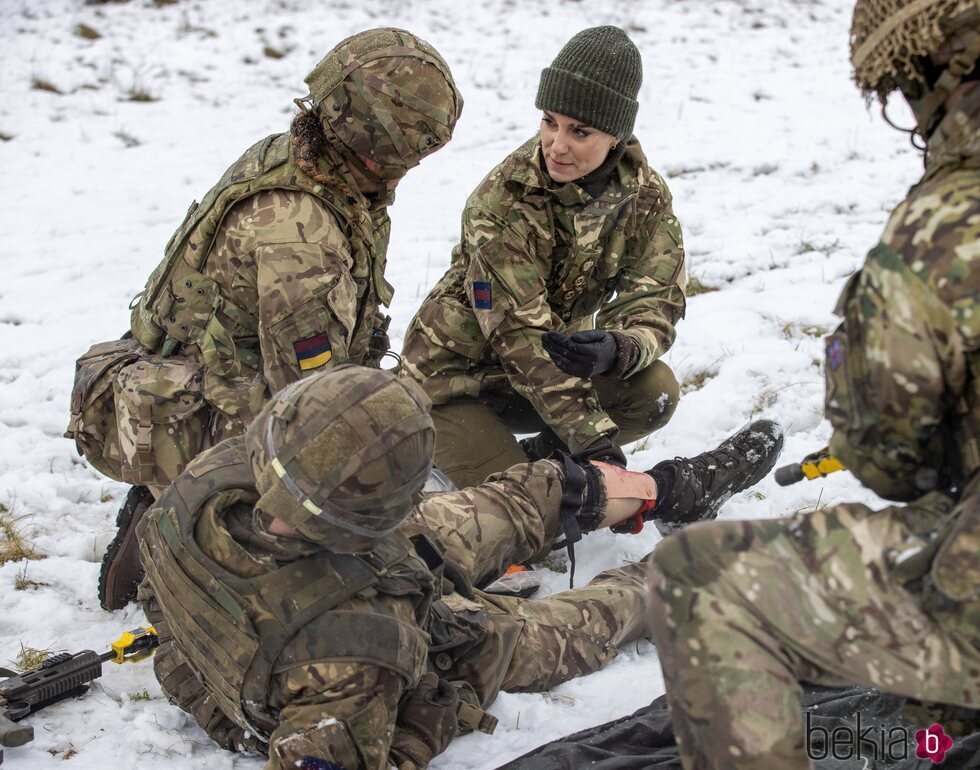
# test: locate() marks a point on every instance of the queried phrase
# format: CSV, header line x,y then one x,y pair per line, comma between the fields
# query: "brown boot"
x,y
121,570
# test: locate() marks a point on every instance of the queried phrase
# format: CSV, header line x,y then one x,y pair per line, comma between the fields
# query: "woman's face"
x,y
572,149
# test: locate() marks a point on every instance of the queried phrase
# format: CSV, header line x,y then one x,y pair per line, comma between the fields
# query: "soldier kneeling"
x,y
310,605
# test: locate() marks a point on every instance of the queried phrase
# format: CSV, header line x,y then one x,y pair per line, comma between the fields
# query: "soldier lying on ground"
x,y
741,611
572,223
277,273
296,616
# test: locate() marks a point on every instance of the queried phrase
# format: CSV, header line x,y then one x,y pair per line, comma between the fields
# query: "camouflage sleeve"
x,y
504,521
513,312
650,293
894,369
342,714
307,300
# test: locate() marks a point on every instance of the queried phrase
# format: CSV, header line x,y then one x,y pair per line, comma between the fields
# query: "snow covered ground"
x,y
781,178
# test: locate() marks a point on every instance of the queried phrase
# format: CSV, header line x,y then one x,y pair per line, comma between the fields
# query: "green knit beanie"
x,y
595,78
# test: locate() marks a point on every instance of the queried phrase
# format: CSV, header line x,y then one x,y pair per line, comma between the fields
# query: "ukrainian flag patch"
x,y
482,295
312,352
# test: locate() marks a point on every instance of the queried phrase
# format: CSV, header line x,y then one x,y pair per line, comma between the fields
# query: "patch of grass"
x,y
144,695
105,496
85,31
757,495
40,84
763,400
695,287
24,583
274,53
140,94
13,547
793,329
556,562
807,246
66,754
641,445
697,380
130,141
30,657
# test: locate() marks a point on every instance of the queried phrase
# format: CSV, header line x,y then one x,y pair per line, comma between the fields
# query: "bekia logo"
x,y
932,744
872,743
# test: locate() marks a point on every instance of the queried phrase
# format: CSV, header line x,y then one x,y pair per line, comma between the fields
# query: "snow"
x,y
781,178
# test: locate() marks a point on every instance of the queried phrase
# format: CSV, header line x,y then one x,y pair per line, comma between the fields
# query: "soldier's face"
x,y
572,149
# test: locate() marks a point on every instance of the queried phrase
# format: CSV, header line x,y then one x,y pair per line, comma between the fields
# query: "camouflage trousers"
x,y
741,611
475,436
527,645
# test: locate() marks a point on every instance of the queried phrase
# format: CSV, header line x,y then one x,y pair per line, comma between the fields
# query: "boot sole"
x,y
123,548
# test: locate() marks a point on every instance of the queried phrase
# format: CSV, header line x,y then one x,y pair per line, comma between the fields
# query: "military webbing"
x,y
197,312
232,630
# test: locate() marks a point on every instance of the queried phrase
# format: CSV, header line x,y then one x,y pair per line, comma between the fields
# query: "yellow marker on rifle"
x,y
813,466
136,644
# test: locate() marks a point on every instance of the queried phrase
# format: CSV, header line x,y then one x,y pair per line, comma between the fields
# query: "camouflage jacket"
x,y
334,692
903,369
272,276
535,256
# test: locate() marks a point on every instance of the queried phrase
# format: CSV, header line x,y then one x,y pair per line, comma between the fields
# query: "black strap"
x,y
576,482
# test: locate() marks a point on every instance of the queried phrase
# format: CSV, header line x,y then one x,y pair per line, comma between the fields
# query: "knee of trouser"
x,y
702,553
645,401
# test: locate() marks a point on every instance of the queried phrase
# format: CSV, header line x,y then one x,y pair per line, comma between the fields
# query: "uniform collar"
x,y
630,173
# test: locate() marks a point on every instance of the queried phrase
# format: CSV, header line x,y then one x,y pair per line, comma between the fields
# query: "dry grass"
x,y
30,657
697,380
24,583
13,546
83,30
40,84
695,287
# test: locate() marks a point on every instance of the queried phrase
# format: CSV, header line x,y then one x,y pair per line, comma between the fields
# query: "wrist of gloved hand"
x,y
604,449
627,354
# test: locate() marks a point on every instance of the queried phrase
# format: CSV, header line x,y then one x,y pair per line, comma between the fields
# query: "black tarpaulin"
x,y
645,739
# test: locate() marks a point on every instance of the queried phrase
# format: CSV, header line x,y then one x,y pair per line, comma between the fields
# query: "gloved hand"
x,y
583,354
426,722
604,449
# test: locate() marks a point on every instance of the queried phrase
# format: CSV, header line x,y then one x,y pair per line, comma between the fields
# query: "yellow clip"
x,y
138,644
820,465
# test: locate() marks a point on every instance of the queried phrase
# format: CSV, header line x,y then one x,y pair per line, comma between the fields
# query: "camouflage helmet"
x,y
342,455
891,41
386,95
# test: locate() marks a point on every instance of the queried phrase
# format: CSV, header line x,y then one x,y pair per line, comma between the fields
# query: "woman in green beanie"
x,y
572,226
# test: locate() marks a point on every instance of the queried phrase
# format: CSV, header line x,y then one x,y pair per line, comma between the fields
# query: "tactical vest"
x,y
182,305
233,631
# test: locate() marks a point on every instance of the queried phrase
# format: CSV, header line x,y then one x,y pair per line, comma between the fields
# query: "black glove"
x,y
426,722
584,354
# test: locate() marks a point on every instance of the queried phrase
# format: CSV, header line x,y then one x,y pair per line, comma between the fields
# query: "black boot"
x,y
693,489
121,570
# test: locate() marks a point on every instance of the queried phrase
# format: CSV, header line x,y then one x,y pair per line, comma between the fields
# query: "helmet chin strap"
x,y
916,138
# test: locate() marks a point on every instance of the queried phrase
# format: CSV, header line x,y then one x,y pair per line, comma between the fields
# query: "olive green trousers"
x,y
475,436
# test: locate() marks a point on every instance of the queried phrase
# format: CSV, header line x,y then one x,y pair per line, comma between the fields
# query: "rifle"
x,y
813,466
60,677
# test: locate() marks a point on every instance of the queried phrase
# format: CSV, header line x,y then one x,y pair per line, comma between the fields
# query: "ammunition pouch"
x,y
93,423
161,420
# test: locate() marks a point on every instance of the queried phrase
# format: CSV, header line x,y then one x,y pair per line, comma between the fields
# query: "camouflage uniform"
x,y
337,696
535,256
277,273
741,611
